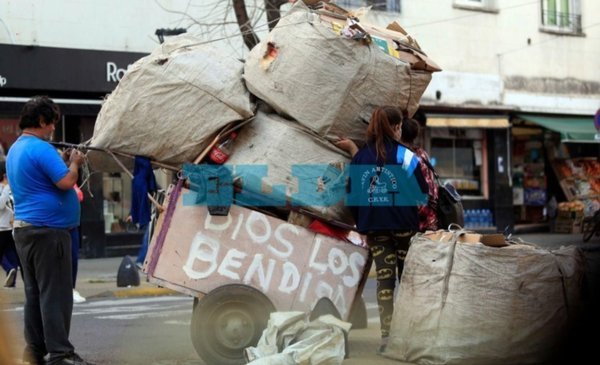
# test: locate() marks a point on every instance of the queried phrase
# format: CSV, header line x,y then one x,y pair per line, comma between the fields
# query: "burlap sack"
x,y
169,104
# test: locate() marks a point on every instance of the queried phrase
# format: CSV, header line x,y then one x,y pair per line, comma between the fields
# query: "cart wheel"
x,y
226,321
358,316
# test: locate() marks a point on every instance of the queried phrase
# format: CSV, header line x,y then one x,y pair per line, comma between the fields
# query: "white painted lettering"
x,y
307,279
238,226
288,246
323,289
340,301
312,263
338,261
256,267
258,218
209,225
231,261
357,262
290,278
202,249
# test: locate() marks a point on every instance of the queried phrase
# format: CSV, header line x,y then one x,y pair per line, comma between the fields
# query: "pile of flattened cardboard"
x,y
320,72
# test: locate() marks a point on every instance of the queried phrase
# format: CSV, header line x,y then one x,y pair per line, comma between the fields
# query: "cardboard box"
x,y
567,225
570,214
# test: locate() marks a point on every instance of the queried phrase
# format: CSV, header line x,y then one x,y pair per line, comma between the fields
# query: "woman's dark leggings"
x,y
388,250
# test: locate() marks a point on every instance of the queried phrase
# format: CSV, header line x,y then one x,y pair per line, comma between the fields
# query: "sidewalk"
x,y
96,278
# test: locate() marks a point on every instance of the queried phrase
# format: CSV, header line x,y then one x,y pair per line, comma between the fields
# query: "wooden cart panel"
x,y
293,266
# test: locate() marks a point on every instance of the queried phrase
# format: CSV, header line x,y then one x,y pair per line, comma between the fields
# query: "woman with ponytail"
x,y
386,187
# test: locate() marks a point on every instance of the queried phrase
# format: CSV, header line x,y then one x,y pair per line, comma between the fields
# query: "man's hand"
x,y
66,155
76,157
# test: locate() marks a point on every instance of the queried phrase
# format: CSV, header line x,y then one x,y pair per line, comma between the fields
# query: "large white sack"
x,y
462,303
169,104
328,83
279,144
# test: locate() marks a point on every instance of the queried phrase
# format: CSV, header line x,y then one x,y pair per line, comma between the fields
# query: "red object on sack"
x,y
79,193
220,154
328,230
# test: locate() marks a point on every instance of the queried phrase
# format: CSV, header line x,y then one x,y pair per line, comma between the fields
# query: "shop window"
x,y
460,159
381,5
117,203
9,132
561,16
480,5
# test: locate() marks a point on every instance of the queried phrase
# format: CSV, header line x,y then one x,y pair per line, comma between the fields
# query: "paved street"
x,y
151,325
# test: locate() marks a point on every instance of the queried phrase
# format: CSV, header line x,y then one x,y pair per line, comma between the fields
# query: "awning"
x,y
466,122
571,129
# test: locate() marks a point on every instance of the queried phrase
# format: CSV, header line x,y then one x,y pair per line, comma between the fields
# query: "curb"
x,y
134,293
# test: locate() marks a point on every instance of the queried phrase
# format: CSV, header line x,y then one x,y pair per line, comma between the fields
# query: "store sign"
x,y
114,73
62,69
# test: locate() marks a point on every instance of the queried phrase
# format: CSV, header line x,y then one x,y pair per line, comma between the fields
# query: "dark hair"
x,y
410,130
2,168
36,107
380,129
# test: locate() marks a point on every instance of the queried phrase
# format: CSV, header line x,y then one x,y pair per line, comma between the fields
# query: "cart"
x,y
245,265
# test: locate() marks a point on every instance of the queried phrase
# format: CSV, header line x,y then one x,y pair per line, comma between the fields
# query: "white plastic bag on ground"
x,y
290,339
170,104
467,303
328,83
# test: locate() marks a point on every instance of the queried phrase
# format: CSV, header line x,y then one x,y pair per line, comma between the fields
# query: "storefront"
x,y
472,152
555,170
77,80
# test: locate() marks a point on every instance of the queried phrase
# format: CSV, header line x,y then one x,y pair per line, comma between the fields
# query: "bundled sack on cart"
x,y
305,69
281,155
170,104
290,339
472,299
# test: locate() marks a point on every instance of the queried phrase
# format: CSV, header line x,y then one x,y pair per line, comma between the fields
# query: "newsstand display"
x,y
579,178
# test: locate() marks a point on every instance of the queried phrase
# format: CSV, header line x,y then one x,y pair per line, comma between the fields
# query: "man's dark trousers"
x,y
45,255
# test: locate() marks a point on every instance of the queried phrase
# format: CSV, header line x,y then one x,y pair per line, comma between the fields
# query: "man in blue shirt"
x,y
46,207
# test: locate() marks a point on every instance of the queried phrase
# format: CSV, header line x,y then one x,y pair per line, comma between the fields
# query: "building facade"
x,y
518,75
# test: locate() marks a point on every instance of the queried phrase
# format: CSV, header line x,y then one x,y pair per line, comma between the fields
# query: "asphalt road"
x,y
152,330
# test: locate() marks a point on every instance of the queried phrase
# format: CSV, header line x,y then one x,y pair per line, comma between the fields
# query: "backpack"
x,y
449,207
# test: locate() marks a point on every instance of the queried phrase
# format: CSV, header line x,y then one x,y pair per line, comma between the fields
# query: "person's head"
x,y
40,112
385,125
410,131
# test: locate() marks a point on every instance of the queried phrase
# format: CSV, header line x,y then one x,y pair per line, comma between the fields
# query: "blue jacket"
x,y
384,196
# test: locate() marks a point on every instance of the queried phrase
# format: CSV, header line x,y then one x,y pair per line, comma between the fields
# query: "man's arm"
x,y
70,179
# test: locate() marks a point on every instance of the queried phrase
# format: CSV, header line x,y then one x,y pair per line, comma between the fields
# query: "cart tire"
x,y
226,321
358,316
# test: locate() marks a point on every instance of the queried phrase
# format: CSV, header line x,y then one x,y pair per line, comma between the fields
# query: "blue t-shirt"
x,y
33,168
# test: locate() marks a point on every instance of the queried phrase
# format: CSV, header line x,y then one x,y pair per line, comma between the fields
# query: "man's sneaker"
x,y
77,298
73,359
11,279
